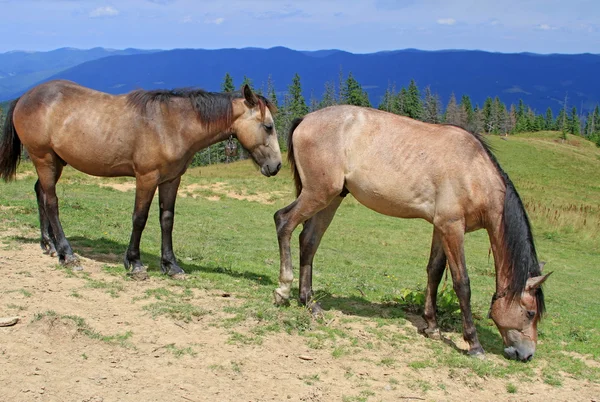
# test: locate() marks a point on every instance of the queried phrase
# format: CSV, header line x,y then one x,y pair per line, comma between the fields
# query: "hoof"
x,y
279,299
179,276
433,333
477,353
316,310
138,275
72,262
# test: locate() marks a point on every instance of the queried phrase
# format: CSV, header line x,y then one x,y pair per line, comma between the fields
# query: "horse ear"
x,y
536,281
249,95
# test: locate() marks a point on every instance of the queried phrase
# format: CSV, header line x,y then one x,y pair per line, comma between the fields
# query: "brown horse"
x,y
408,169
150,135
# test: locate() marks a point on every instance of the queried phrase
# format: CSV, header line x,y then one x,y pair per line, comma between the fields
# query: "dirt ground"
x,y
52,359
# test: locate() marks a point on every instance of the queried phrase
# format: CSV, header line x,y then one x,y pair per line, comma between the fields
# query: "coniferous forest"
x,y
493,117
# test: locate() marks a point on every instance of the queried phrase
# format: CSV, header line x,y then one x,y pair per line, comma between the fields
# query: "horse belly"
x,y
97,159
393,199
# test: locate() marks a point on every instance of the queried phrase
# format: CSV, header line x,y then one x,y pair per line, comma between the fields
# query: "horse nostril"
x,y
278,167
528,358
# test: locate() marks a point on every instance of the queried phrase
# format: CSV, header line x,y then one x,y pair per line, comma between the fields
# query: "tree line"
x,y
493,117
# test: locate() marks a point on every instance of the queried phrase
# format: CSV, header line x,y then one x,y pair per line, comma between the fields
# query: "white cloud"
x,y
107,11
216,21
546,27
446,21
187,19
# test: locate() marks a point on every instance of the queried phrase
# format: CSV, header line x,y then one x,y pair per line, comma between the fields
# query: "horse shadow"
x,y
108,251
359,306
111,252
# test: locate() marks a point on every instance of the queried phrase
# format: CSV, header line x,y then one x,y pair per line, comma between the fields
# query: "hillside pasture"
x,y
95,335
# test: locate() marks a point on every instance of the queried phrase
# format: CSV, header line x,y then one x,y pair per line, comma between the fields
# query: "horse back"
x,y
399,166
82,126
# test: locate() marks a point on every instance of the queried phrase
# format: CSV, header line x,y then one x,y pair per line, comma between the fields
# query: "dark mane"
x,y
519,247
213,108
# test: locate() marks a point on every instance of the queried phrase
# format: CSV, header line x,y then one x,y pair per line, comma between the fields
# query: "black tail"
x,y
10,147
291,159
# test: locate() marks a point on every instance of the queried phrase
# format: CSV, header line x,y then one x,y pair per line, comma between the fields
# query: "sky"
x,y
358,26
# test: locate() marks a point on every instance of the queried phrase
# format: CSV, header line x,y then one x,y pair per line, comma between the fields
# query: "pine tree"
x,y
453,114
271,94
549,120
477,123
512,119
467,109
389,102
297,105
413,106
353,94
227,85
501,118
329,97
574,123
488,115
431,107
401,102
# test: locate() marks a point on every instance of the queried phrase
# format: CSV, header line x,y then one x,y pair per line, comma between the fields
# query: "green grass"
x,y
370,267
85,329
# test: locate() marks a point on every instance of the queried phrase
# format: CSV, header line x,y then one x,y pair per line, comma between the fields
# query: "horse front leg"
x,y
310,238
453,242
144,192
167,194
435,271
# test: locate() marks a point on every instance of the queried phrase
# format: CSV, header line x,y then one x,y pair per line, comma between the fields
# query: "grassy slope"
x,y
366,260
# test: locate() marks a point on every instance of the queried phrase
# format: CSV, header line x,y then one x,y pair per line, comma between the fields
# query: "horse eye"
x,y
530,314
268,127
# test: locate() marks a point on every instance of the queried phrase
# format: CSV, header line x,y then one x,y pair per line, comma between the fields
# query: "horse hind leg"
x,y
49,169
435,271
310,238
286,220
47,241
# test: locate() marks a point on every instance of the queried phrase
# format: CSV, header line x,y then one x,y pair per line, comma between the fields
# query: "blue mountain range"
x,y
541,81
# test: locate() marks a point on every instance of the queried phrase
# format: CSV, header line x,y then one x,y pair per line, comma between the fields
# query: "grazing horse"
x,y
409,169
149,135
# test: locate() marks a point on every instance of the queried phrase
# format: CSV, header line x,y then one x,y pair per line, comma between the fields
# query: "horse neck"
x,y
199,134
504,274
512,243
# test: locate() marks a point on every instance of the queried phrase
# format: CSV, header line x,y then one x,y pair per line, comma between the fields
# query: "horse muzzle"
x,y
270,169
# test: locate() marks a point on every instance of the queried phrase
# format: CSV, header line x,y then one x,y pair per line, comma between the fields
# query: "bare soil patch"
x,y
74,342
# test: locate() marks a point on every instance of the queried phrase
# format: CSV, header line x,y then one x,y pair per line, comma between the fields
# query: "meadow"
x,y
369,277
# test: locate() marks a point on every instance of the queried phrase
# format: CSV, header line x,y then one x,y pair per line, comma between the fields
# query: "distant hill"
x,y
19,69
540,80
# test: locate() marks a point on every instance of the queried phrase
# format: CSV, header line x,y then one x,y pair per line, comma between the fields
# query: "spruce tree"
x,y
227,85
413,106
574,123
549,120
297,105
353,94
452,114
389,102
431,107
401,102
467,110
329,97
